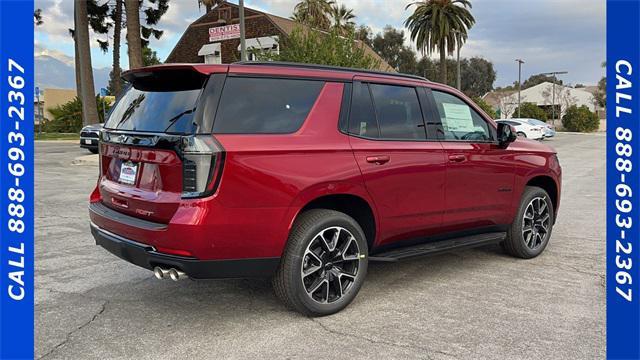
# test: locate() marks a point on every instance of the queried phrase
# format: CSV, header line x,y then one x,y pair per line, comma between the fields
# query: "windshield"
x,y
154,111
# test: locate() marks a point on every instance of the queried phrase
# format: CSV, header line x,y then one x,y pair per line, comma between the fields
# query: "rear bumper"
x,y
147,257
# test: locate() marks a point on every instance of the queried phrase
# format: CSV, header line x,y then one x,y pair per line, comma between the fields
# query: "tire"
x,y
94,151
305,249
536,213
520,133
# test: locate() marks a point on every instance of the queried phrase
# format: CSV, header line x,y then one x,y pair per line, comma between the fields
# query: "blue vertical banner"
x,y
623,180
16,179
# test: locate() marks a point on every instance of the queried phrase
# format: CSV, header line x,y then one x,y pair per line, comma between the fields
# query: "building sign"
x,y
224,32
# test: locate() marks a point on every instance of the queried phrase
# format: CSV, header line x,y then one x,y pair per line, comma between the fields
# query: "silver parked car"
x,y
549,130
89,136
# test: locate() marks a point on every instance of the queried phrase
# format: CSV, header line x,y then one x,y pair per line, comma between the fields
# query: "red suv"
x,y
306,173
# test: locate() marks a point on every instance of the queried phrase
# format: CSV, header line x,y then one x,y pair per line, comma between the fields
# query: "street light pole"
x,y
243,48
520,62
553,91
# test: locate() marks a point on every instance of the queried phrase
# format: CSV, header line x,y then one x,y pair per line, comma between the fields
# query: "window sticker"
x,y
363,128
458,118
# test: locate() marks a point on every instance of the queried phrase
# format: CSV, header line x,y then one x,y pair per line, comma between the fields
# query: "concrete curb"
x,y
68,141
86,160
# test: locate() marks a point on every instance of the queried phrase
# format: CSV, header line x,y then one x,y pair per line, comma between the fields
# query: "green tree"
x,y
115,82
134,40
37,17
364,34
601,92
315,47
477,76
314,13
87,89
531,111
149,57
343,19
537,79
485,106
97,21
441,25
580,119
67,117
390,46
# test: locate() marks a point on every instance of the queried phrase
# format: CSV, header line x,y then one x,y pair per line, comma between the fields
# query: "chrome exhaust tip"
x,y
160,273
176,275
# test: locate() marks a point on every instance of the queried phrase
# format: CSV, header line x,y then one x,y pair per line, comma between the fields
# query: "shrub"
x,y
314,47
580,119
67,118
530,111
485,106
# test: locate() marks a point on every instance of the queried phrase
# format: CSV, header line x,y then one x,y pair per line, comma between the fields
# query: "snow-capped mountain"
x,y
57,71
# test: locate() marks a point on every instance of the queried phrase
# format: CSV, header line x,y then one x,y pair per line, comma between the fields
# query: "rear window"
x,y
154,111
265,106
158,101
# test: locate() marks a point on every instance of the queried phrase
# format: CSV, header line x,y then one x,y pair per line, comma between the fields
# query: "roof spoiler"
x,y
170,77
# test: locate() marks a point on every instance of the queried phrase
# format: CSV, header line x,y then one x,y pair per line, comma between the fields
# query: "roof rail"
x,y
328,67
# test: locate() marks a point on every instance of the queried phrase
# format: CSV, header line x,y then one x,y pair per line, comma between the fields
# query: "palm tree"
x,y
440,24
89,108
117,21
314,13
209,4
37,17
134,41
343,18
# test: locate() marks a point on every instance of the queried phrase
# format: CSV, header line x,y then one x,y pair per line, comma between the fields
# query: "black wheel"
x,y
94,151
530,231
520,133
324,263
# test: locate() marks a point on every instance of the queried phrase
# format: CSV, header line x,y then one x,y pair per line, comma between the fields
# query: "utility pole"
x,y
520,62
553,91
243,46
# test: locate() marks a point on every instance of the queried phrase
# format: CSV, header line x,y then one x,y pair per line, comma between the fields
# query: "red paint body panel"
x,y
415,191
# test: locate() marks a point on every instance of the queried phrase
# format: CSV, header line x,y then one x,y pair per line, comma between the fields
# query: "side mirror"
x,y
506,134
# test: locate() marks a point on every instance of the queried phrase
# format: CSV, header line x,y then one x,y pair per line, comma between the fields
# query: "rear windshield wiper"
x,y
174,119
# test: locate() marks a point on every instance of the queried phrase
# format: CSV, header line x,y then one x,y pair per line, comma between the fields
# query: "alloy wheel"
x,y
536,223
330,265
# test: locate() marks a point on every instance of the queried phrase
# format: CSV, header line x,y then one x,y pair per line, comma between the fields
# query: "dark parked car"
x,y
89,137
306,174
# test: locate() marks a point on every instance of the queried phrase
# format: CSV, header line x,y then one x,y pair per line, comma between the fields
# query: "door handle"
x,y
378,159
457,158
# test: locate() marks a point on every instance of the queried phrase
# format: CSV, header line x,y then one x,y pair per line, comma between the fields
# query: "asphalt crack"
x,y
383,342
103,307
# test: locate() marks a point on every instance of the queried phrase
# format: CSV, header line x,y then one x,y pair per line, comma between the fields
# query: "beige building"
x,y
50,98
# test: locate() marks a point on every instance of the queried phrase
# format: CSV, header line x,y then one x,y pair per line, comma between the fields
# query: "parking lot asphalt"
x,y
472,304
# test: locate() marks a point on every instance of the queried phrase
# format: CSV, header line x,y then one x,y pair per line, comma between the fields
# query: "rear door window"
x,y
265,105
362,121
398,112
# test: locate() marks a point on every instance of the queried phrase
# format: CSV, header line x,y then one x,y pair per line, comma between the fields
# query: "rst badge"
x,y
128,171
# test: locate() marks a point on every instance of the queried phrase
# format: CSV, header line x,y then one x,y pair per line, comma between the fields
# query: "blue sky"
x,y
550,35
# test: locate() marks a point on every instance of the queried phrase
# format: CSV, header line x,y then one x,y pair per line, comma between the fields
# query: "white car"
x,y
525,129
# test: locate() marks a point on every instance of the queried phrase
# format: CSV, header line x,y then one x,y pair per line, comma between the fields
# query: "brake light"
x,y
202,159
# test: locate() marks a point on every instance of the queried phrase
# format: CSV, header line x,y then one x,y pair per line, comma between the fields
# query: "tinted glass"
x,y
154,111
265,106
362,121
398,112
459,120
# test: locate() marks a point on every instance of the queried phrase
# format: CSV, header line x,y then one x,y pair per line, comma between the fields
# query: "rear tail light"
x,y
202,159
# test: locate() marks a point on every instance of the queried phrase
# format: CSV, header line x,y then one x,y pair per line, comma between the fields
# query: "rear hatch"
x,y
156,147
